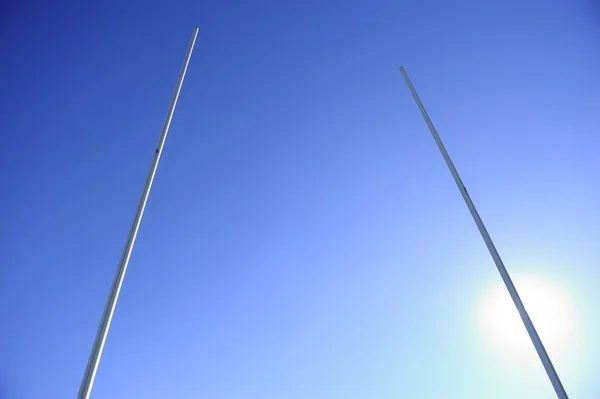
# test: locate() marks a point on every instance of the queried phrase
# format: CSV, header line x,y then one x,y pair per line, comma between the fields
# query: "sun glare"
x,y
547,304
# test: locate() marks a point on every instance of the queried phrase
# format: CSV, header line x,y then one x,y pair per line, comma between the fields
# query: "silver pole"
x,y
96,353
535,338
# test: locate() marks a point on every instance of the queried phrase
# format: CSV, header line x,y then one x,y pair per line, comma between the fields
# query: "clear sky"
x,y
304,238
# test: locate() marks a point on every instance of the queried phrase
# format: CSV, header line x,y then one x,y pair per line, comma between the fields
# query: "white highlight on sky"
x,y
550,307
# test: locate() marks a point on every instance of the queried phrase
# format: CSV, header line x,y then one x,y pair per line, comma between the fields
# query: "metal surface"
x,y
96,352
535,338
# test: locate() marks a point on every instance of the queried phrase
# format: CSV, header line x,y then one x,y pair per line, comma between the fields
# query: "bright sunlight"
x,y
548,305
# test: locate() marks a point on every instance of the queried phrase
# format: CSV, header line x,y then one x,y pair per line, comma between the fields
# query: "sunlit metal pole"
x,y
96,353
535,338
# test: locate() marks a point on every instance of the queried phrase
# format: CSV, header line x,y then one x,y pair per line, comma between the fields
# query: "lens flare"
x,y
550,309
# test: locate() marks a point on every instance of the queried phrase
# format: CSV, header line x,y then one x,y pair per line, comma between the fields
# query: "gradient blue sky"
x,y
303,238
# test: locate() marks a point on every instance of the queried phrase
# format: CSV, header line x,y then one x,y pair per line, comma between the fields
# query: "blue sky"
x,y
303,238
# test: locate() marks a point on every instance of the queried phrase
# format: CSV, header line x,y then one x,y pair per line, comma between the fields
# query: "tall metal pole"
x,y
96,353
535,338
